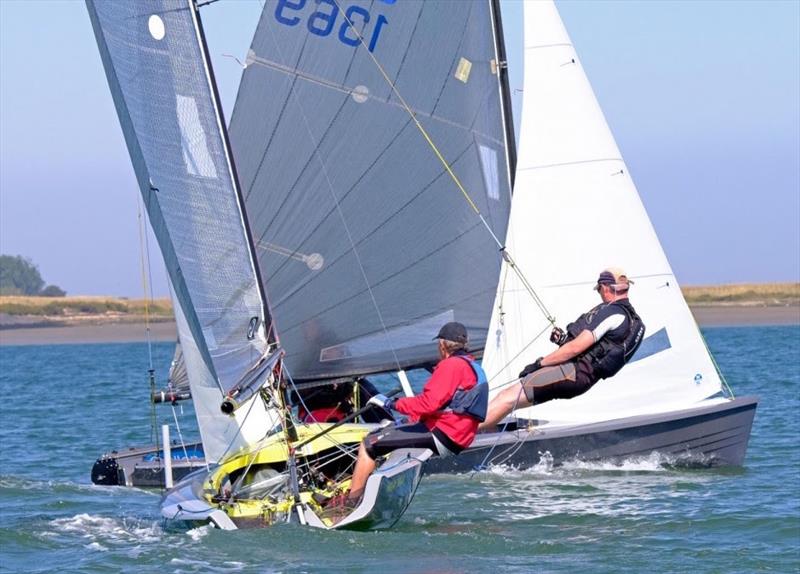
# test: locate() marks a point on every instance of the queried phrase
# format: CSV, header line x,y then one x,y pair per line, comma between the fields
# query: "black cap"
x,y
453,331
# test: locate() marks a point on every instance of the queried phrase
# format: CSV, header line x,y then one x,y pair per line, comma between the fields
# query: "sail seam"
x,y
376,228
344,89
388,277
505,254
571,163
336,202
554,45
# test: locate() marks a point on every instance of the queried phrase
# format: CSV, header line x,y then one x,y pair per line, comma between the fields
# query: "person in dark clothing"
x,y
330,403
595,346
444,416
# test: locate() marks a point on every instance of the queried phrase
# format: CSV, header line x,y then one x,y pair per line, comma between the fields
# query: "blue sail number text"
x,y
323,20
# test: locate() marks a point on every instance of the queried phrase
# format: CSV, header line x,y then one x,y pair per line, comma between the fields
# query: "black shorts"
x,y
384,441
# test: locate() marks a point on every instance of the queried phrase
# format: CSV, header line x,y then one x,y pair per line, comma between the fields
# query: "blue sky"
x,y
703,98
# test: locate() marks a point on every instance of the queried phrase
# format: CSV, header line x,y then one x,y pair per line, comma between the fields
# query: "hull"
x,y
387,495
143,466
715,434
712,435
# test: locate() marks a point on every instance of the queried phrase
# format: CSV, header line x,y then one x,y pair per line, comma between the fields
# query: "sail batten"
x,y
335,165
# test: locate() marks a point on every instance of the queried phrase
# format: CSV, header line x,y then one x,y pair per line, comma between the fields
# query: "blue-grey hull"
x,y
712,435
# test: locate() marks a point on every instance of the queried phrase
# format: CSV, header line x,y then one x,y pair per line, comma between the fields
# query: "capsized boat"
x,y
340,204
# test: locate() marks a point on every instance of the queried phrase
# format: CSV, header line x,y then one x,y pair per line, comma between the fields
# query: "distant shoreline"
x,y
133,332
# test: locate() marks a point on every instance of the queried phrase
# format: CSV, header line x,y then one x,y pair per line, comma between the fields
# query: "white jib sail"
x,y
575,211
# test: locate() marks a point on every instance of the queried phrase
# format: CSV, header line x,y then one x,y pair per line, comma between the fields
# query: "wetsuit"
x,y
617,330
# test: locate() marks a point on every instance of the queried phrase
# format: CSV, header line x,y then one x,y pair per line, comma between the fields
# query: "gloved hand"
x,y
558,336
532,368
382,401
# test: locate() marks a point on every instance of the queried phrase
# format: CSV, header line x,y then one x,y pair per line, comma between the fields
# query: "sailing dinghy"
x,y
573,191
339,205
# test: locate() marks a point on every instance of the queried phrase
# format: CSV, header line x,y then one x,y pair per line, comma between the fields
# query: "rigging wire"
x,y
144,264
338,206
145,270
724,381
482,465
180,435
509,260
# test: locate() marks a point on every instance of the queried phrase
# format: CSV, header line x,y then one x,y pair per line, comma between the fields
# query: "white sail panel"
x,y
575,212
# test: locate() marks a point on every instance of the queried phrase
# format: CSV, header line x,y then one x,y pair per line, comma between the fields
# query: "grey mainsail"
x,y
160,78
365,242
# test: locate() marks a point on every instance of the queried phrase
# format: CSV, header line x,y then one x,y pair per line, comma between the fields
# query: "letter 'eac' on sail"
x,y
364,241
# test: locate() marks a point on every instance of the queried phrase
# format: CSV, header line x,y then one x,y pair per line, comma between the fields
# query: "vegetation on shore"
x,y
20,276
745,294
115,308
74,307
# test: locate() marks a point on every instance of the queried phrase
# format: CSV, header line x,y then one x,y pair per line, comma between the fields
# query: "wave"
x,y
100,532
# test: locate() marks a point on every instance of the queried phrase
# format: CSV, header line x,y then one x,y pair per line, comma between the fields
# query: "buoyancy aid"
x,y
610,354
474,401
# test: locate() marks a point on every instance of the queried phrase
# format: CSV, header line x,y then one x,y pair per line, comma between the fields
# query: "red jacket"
x,y
448,376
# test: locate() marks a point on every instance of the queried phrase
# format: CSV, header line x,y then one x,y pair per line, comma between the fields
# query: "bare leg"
x,y
364,467
508,400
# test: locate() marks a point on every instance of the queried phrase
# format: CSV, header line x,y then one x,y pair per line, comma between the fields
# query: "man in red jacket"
x,y
440,420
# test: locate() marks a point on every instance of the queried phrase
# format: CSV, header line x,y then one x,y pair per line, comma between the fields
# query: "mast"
x,y
212,84
505,92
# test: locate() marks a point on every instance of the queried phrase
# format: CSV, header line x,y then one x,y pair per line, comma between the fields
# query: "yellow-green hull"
x,y
254,488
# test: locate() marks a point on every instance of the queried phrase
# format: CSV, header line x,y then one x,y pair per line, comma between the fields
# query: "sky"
x,y
703,98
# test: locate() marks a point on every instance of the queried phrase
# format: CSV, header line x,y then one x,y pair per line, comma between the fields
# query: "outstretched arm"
x,y
569,350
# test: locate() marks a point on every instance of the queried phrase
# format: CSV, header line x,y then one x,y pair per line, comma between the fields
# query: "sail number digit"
x,y
322,21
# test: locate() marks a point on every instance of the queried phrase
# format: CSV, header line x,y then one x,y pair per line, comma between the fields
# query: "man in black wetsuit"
x,y
596,346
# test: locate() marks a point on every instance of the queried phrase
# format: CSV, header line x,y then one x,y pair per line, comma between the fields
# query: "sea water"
x,y
64,405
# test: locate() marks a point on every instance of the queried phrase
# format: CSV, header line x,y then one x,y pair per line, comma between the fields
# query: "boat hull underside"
x,y
713,435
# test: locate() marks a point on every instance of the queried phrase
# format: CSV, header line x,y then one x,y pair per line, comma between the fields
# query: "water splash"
x,y
102,532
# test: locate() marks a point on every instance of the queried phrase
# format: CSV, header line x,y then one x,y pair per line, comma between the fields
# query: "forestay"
x,y
576,211
159,77
364,241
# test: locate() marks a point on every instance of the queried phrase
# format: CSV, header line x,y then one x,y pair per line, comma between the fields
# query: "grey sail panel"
x,y
365,242
156,69
178,378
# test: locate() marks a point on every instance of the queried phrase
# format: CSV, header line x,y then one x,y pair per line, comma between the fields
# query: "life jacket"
x,y
475,401
608,355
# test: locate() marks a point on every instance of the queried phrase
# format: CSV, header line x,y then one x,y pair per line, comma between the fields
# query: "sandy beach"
x,y
734,315
706,316
83,334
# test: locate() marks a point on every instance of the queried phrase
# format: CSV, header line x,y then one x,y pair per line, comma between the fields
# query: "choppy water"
x,y
63,405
